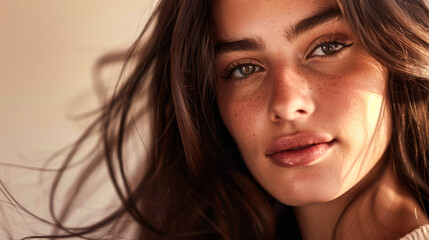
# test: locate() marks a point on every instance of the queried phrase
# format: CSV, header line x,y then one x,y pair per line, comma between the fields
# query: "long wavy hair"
x,y
191,182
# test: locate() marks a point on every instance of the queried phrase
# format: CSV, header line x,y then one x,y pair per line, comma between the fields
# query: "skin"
x,y
288,86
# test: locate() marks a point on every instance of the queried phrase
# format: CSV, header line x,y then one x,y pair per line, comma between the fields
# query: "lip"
x,y
300,149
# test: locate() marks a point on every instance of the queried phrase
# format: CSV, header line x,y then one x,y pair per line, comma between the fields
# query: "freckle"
x,y
253,134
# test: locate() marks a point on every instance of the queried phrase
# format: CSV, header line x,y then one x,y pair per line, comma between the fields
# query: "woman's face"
x,y
303,100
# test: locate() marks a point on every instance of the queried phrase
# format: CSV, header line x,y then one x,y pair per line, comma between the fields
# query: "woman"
x,y
272,119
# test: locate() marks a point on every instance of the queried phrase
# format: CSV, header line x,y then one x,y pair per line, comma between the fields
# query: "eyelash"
x,y
234,66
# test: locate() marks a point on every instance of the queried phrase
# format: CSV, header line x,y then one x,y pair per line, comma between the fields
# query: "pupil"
x,y
247,69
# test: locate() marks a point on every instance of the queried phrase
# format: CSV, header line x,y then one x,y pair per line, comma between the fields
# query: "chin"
x,y
306,200
301,194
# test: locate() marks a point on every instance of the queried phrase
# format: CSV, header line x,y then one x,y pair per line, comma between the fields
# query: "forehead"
x,y
233,18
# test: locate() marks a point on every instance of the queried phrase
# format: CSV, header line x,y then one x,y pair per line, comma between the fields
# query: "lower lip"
x,y
301,157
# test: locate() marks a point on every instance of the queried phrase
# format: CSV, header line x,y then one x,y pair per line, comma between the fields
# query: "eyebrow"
x,y
256,43
322,16
244,44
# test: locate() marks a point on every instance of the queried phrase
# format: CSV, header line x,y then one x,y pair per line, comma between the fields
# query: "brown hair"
x,y
396,34
194,184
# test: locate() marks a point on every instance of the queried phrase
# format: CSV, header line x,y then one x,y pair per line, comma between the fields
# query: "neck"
x,y
384,209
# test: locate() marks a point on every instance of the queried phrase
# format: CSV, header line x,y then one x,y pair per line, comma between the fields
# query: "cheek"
x,y
361,116
241,112
358,93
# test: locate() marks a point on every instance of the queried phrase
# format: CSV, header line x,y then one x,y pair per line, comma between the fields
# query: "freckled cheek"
x,y
342,92
241,113
332,94
354,99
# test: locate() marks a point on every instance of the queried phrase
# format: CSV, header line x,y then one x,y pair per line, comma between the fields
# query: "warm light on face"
x,y
303,100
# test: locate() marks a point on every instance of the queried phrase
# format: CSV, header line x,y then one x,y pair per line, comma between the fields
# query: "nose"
x,y
291,97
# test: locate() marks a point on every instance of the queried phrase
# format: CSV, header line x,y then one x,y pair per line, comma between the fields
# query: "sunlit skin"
x,y
284,83
341,94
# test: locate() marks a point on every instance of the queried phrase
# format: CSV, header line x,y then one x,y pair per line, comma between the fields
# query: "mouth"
x,y
299,150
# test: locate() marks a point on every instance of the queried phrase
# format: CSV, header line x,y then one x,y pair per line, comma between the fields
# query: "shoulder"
x,y
421,233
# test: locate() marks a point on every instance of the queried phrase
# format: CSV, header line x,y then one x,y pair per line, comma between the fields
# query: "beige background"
x,y
47,52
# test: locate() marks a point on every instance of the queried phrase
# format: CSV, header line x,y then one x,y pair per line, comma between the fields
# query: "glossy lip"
x,y
300,149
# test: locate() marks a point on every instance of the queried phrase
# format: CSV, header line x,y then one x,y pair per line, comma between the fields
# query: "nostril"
x,y
289,104
282,113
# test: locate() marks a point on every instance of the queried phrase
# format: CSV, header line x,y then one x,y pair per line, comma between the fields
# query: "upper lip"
x,y
296,141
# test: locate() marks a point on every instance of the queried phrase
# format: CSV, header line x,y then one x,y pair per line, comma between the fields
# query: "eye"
x,y
328,48
245,70
237,70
